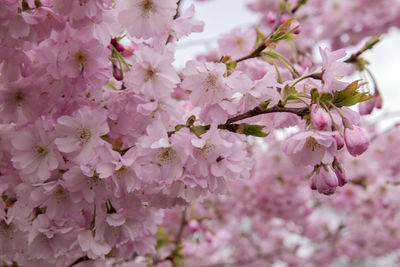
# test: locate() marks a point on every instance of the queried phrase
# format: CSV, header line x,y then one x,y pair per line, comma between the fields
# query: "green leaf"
x,y
325,98
271,54
254,130
190,121
109,255
372,42
265,104
260,37
361,64
231,65
179,126
283,32
162,237
226,59
198,130
350,95
314,95
105,138
284,6
176,254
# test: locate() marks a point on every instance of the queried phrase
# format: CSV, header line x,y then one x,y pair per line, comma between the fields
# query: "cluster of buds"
x,y
325,178
118,52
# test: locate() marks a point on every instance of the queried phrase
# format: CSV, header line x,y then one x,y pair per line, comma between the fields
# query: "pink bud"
x,y
271,17
114,41
298,30
341,175
320,118
129,49
379,101
284,18
117,73
325,181
119,47
208,236
366,107
356,140
194,225
339,140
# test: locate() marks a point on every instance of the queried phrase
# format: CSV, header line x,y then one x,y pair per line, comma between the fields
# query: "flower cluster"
x,y
101,135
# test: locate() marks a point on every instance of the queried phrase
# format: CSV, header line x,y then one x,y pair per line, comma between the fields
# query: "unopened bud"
x,y
356,140
208,236
339,140
325,181
379,101
194,225
366,107
340,172
341,175
271,17
296,24
284,18
117,73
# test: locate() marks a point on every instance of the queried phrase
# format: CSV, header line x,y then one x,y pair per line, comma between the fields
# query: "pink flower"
x,y
186,24
332,69
206,82
34,151
21,101
92,245
237,43
356,140
153,74
147,18
320,118
325,181
310,148
80,133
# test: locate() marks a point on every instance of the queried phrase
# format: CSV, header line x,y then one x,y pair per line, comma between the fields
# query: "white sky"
x,y
221,16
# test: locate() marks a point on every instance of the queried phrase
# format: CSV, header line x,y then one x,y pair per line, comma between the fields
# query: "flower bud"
x,y
341,175
117,73
194,225
208,236
295,24
325,181
366,107
284,18
379,101
339,140
356,140
128,50
320,118
271,17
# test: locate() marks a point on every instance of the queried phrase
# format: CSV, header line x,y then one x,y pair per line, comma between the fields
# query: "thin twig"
x,y
81,259
232,127
267,41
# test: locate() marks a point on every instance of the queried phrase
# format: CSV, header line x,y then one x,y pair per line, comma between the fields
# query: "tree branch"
x,y
267,41
81,259
231,126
